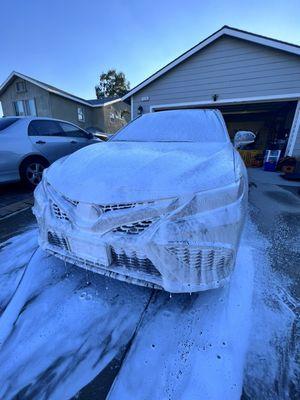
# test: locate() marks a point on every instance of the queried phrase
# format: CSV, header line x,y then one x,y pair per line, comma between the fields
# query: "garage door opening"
x,y
271,122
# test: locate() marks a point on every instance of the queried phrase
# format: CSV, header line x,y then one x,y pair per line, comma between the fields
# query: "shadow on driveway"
x,y
15,210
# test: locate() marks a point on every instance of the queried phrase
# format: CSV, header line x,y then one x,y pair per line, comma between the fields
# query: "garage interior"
x,y
271,122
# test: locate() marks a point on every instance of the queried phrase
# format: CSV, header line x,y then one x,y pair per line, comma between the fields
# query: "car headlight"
x,y
209,200
39,200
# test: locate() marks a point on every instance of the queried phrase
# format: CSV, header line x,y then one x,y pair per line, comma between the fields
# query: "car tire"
x,y
31,171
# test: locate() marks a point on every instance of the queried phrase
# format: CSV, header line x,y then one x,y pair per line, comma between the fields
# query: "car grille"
x,y
113,207
58,241
129,259
135,228
133,260
204,258
74,202
58,213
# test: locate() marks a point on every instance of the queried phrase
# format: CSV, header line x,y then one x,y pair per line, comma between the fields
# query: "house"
x,y
252,79
23,95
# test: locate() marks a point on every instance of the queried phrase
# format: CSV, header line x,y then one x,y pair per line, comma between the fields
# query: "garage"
x,y
253,80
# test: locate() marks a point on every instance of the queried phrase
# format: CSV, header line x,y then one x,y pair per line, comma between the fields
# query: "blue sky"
x,y
68,43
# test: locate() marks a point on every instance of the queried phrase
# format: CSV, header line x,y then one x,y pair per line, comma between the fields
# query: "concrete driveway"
x,y
15,210
274,206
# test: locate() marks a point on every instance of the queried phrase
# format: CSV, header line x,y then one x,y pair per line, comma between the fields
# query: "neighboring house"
x,y
252,79
22,95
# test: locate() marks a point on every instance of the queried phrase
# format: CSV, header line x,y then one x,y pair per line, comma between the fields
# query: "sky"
x,y
68,43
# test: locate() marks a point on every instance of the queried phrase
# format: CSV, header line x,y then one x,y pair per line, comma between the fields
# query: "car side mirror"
x,y
90,135
241,138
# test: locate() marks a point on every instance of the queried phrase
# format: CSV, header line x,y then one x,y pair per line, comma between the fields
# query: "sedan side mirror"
x,y
241,138
90,135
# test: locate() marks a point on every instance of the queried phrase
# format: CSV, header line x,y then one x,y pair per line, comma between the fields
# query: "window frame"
x,y
32,130
80,112
85,135
26,107
27,104
24,87
18,114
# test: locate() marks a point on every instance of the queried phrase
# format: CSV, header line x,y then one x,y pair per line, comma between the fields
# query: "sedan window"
x,y
45,127
72,130
6,122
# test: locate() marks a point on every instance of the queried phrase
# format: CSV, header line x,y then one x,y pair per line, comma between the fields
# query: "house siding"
x,y
41,96
117,110
63,108
60,107
98,118
229,67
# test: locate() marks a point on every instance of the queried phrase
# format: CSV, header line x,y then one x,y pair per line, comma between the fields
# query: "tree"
x,y
112,83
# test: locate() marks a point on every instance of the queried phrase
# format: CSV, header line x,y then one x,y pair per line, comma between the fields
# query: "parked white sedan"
x,y
162,204
29,144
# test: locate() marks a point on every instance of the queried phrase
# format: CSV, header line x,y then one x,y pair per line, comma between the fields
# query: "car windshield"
x,y
6,122
175,126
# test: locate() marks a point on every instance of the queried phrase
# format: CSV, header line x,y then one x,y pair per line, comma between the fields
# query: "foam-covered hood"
x,y
118,172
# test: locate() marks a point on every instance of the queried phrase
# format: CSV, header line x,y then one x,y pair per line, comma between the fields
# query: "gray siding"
x,y
118,110
230,68
63,108
54,106
41,96
98,118
102,117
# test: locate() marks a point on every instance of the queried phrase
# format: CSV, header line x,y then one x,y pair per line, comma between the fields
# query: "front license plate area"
x,y
94,252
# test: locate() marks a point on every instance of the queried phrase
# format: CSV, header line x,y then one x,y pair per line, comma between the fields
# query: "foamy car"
x,y
162,204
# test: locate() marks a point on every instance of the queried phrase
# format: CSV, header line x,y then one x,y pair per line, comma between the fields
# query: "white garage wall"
x,y
293,147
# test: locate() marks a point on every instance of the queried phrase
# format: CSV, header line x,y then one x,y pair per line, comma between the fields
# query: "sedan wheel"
x,y
34,173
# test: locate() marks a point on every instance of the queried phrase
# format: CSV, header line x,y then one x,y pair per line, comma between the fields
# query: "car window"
x,y
175,126
45,127
6,122
72,130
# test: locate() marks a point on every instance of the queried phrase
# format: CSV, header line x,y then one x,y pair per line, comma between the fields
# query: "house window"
x,y
31,109
80,114
21,87
25,107
112,116
19,108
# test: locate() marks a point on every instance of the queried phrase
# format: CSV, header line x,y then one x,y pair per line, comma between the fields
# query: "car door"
x,y
47,137
77,137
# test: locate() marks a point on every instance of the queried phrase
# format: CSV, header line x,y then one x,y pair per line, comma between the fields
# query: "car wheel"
x,y
31,171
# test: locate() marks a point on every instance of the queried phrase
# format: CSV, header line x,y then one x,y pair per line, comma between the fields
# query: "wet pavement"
x,y
275,210
13,193
15,210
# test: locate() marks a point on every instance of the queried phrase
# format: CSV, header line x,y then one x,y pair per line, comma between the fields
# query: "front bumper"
x,y
187,247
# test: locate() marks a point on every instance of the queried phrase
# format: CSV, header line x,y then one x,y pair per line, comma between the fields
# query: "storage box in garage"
x,y
248,157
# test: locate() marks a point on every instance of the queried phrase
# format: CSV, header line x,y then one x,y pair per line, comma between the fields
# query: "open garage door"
x,y
271,122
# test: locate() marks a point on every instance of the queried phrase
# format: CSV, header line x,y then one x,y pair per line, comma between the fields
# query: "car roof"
x,y
31,118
